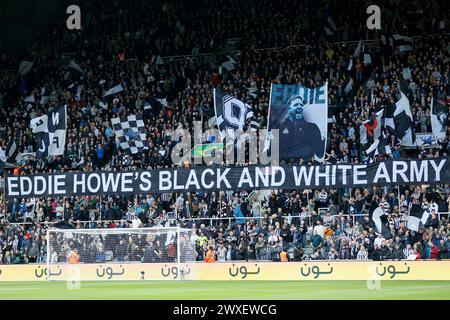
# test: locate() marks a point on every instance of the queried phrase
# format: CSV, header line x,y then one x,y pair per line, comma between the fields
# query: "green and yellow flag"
x,y
201,150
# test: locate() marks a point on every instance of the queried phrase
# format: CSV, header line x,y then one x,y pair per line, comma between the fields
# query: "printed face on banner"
x,y
301,115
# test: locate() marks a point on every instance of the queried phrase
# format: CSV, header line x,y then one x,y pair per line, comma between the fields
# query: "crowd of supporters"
x,y
280,42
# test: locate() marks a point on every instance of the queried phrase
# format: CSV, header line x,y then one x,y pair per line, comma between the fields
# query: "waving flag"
x,y
439,118
398,120
417,217
379,219
130,133
231,115
50,130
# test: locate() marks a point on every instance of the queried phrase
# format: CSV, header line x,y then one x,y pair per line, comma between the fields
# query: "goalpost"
x,y
126,247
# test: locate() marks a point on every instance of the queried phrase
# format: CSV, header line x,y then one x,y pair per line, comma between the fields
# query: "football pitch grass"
x,y
224,290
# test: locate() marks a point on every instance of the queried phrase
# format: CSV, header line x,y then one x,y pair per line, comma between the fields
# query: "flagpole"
x,y
268,114
307,198
220,204
176,206
260,212
5,175
100,209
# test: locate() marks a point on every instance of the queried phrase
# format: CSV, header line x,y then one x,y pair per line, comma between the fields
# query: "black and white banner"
x,y
50,130
301,116
231,115
391,172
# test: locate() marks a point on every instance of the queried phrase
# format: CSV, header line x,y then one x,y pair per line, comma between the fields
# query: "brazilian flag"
x,y
208,149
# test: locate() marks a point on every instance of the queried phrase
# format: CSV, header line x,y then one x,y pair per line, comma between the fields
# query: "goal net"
x,y
87,248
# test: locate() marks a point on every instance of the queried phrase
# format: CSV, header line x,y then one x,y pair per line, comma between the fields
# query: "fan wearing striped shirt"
x,y
362,254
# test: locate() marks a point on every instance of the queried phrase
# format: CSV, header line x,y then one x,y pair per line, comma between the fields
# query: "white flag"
x,y
25,67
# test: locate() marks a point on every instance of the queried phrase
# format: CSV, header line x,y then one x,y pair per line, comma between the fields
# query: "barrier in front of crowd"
x,y
209,220
290,271
302,45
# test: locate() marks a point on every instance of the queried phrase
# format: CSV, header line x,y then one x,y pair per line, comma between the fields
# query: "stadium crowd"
x,y
119,44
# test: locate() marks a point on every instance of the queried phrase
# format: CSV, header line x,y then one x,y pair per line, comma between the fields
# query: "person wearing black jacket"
x,y
285,234
244,208
370,247
279,218
316,217
272,202
121,251
296,208
375,254
303,229
281,203
384,252
149,255
109,212
442,203
397,253
298,253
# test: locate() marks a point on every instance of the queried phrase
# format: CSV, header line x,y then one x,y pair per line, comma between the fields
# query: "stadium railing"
x,y
337,43
210,219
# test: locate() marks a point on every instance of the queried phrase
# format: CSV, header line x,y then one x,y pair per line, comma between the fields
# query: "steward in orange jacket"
x,y
74,257
210,255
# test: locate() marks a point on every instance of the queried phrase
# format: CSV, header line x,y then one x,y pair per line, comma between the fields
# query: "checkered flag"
x,y
130,133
